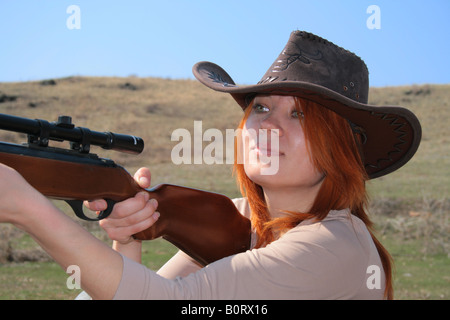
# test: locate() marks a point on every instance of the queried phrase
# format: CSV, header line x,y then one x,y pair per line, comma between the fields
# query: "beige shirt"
x,y
331,259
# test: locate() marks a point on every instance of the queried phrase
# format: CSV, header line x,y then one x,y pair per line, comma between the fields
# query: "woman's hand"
x,y
129,216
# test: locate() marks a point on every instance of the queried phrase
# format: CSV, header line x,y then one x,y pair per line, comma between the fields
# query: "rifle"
x,y
205,225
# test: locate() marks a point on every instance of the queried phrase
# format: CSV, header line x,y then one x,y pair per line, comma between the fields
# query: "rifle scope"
x,y
41,131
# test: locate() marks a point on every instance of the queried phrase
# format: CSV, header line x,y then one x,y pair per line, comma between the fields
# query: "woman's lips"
x,y
268,152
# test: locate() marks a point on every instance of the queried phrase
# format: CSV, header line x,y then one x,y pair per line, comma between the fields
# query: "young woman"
x,y
311,234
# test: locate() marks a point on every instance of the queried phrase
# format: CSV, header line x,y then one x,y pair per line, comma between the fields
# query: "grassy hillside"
x,y
410,206
149,108
153,108
427,174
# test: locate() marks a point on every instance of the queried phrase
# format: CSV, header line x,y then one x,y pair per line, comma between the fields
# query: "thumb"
x,y
143,177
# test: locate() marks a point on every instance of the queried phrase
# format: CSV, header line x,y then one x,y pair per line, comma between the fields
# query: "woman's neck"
x,y
290,199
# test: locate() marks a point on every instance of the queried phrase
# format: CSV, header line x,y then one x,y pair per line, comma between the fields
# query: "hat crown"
x,y
312,59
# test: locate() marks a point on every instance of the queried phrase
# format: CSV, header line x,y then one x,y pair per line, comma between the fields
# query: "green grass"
x,y
34,281
47,280
418,276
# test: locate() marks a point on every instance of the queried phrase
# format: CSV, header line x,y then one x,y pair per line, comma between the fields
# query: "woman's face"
x,y
283,160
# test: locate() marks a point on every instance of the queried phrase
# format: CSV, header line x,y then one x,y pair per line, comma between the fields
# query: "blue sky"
x,y
165,38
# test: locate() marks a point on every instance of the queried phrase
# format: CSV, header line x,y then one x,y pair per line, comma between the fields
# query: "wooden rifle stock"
x,y
205,225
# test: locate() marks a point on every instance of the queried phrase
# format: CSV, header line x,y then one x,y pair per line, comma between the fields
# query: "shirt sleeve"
x,y
309,262
180,265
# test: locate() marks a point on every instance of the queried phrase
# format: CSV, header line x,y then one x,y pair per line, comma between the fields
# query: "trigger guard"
x,y
77,207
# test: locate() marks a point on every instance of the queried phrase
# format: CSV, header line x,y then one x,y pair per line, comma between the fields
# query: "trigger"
x,y
77,207
105,213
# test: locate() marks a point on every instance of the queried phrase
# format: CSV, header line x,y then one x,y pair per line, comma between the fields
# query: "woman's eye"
x,y
258,108
297,114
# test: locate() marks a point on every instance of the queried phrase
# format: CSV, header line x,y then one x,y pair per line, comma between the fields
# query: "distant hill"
x,y
153,108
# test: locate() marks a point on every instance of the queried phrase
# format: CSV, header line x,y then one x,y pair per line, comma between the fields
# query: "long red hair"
x,y
334,150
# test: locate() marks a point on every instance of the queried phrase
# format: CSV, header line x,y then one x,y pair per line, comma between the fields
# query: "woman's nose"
x,y
272,122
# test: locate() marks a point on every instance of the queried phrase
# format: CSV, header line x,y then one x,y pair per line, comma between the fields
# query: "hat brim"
x,y
392,133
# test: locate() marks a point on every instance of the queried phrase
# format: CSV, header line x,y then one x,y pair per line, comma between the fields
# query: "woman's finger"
x,y
147,212
143,177
96,205
130,206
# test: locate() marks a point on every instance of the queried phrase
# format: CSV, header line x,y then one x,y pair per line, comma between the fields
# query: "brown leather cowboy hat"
x,y
313,68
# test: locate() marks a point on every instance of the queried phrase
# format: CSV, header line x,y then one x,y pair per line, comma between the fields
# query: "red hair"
x,y
334,150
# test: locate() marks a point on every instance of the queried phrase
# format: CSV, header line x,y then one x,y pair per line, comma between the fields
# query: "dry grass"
x,y
411,205
427,174
427,225
153,108
149,108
